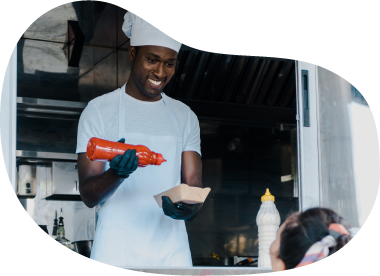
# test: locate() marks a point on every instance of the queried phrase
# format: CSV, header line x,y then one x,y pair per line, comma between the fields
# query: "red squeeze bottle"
x,y
104,150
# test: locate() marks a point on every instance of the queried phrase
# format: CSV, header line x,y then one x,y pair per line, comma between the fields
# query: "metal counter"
x,y
204,270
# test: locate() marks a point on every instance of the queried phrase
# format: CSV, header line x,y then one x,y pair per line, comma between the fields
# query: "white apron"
x,y
131,229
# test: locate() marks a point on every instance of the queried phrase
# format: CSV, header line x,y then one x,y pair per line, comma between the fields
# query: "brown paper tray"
x,y
184,193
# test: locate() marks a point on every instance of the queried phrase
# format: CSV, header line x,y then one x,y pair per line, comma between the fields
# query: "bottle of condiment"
x,y
268,222
55,227
58,241
104,150
52,247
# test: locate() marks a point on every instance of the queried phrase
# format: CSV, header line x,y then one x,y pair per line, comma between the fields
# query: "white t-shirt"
x,y
101,117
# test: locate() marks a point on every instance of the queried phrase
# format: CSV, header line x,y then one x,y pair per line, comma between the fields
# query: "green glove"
x,y
180,211
124,165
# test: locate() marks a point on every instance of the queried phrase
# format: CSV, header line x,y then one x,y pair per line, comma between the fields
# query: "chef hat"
x,y
142,33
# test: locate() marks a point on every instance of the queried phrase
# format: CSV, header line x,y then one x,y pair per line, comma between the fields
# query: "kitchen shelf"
x,y
45,108
24,154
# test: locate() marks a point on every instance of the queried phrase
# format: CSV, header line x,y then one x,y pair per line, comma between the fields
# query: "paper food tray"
x,y
184,193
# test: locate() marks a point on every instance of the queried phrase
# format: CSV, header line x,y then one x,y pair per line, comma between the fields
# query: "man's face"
x,y
152,68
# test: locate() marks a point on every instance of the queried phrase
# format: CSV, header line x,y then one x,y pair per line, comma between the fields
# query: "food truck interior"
x,y
246,107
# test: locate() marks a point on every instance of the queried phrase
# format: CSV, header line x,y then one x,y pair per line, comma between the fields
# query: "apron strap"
x,y
121,111
172,116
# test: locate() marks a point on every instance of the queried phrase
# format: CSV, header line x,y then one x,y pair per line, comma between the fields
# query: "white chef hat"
x,y
142,33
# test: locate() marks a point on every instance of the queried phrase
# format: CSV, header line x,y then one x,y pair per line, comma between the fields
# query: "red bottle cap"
x,y
160,159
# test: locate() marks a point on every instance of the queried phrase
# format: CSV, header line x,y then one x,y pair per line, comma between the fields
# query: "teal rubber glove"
x,y
124,165
179,211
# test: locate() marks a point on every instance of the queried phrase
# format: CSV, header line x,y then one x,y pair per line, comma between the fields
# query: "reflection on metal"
x,y
38,110
50,103
65,178
73,43
45,155
49,109
51,27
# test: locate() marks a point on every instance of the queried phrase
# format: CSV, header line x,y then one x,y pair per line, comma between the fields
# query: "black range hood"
x,y
232,87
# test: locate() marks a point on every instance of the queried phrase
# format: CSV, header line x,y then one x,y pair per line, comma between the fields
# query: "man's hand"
x,y
180,211
124,165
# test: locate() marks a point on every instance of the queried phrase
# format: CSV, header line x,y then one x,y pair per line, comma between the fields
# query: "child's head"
x,y
299,232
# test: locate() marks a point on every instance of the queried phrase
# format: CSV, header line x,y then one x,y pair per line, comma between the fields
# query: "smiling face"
x,y
152,69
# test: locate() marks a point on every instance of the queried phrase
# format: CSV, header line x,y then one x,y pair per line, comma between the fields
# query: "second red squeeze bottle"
x,y
104,150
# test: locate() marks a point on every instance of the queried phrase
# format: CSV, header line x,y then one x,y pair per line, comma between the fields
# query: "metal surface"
x,y
305,97
50,103
308,148
256,81
241,112
26,179
65,178
40,29
348,149
203,270
47,135
45,155
41,108
294,161
78,219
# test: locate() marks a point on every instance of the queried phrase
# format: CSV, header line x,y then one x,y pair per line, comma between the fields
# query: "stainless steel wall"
x,y
79,220
348,141
104,63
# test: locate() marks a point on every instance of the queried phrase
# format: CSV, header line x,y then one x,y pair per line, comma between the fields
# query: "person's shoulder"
x,y
178,105
107,100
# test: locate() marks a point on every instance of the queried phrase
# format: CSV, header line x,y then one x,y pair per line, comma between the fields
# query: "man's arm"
x,y
191,171
95,185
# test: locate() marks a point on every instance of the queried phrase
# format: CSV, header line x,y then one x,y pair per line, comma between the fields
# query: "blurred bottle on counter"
x,y
268,221
52,247
59,241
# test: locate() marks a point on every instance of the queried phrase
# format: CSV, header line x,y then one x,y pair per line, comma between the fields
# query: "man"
x,y
131,229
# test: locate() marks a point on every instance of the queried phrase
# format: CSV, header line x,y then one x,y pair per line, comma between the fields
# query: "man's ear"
x,y
132,53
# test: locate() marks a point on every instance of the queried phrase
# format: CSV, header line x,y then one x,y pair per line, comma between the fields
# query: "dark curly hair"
x,y
304,229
